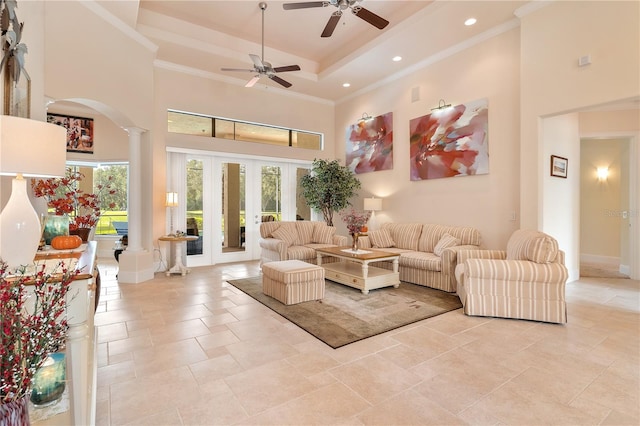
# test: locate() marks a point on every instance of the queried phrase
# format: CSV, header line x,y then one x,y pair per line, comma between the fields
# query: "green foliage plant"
x,y
329,187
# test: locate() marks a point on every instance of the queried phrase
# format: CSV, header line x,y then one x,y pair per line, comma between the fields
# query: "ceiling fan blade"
x,y
303,5
257,61
237,69
287,68
253,81
280,81
370,17
331,25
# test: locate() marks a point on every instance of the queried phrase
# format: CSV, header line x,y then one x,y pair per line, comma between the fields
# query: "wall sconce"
x,y
441,105
171,201
373,205
602,173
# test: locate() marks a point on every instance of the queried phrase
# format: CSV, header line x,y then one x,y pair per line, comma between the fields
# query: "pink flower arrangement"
x,y
355,220
29,333
65,197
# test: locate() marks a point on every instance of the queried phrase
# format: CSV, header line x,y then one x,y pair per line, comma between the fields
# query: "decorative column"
x,y
135,263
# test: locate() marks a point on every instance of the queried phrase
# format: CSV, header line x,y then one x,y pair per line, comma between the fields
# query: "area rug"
x,y
345,315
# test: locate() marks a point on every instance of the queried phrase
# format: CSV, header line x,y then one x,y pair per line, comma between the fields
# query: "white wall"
x,y
488,70
552,40
561,196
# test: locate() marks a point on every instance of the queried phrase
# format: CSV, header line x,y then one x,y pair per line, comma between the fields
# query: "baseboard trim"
x,y
595,258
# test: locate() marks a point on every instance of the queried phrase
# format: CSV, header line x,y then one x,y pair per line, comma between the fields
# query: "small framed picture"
x,y
559,166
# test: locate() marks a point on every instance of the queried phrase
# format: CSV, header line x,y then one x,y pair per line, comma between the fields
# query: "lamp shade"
x,y
373,204
172,199
27,148
32,148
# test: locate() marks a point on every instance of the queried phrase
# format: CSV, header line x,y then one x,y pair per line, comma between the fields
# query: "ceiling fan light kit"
x,y
262,67
356,9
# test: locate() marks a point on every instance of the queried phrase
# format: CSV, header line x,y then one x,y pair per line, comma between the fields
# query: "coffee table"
x,y
354,271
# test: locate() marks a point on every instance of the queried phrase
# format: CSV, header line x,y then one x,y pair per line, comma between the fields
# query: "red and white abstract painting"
x,y
451,141
370,144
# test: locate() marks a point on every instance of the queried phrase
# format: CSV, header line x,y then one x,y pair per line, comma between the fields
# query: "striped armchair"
x,y
527,281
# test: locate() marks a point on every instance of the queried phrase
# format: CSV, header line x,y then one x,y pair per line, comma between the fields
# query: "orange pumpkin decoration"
x,y
65,242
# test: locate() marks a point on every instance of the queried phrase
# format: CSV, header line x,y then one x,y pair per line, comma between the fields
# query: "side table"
x,y
176,241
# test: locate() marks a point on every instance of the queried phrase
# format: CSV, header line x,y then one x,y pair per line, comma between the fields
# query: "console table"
x,y
176,241
81,348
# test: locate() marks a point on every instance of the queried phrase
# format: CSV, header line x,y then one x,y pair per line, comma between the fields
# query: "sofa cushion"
x,y
421,260
466,235
305,231
429,237
301,253
323,234
446,241
381,239
287,234
535,246
405,235
267,228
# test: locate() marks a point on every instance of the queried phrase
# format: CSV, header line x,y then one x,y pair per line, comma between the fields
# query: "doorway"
x,y
605,209
228,197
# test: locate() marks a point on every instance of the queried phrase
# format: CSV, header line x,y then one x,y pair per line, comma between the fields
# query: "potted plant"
x,y
32,325
329,187
65,197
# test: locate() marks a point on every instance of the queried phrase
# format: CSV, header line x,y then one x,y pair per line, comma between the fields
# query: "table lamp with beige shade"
x,y
28,148
373,205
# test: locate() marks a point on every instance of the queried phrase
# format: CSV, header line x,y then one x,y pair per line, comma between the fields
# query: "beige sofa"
x,y
297,240
527,281
428,252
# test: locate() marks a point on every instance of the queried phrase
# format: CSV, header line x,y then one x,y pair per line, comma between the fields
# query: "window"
x,y
201,125
113,212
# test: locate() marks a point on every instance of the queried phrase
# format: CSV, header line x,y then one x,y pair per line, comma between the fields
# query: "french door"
x,y
228,197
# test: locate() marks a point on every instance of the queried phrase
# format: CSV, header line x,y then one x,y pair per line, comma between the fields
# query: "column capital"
x,y
134,130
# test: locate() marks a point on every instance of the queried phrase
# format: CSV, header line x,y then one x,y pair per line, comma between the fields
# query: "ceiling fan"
x,y
262,67
356,9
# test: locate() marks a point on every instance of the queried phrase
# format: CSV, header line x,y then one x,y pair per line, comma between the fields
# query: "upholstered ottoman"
x,y
293,281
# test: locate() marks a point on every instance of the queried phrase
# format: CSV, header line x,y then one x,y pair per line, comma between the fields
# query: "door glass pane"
x,y
194,224
271,204
303,211
233,207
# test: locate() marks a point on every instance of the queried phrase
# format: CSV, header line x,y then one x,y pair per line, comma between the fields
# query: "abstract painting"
x,y
451,141
370,144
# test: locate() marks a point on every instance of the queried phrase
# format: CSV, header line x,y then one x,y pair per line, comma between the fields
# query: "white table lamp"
x,y
28,148
171,201
373,205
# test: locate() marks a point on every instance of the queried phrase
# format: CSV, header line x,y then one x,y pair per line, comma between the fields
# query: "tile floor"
x,y
196,351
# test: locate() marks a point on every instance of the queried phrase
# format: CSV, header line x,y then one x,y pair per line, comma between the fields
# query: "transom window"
x,y
202,125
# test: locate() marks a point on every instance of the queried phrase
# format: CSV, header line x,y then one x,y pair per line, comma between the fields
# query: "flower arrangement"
x,y
355,220
32,326
65,197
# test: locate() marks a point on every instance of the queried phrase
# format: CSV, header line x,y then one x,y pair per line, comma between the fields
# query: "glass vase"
x,y
55,225
354,242
49,381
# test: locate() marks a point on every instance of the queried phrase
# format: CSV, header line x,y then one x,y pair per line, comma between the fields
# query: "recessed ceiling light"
x,y
346,84
470,21
397,58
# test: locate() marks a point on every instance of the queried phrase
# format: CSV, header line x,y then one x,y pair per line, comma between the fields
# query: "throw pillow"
x,y
381,239
287,234
323,234
543,249
446,241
